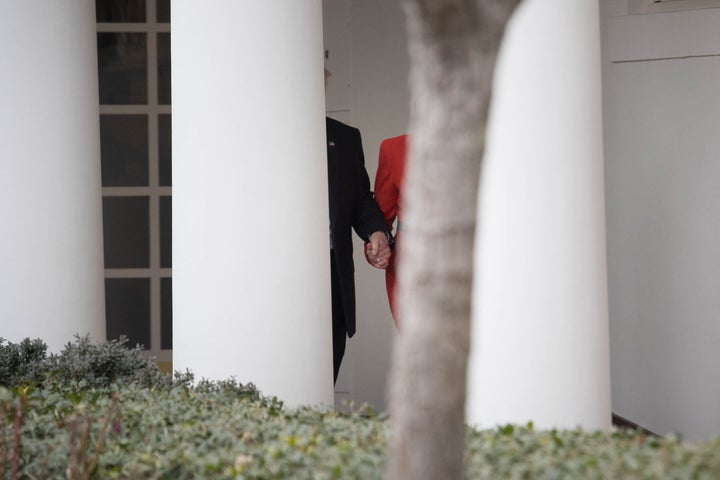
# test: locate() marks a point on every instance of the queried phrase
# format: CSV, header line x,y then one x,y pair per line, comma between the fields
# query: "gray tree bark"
x,y
453,45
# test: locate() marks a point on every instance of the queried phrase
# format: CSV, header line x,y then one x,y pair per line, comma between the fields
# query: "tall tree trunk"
x,y
453,45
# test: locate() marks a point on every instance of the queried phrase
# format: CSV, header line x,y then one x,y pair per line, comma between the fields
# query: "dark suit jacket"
x,y
351,206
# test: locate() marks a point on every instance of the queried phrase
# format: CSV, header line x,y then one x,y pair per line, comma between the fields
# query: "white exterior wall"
x,y
662,150
51,251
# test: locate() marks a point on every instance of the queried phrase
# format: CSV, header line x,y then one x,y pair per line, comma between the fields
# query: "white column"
x,y
51,254
250,216
540,329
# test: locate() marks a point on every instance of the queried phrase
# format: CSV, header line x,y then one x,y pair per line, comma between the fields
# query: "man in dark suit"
x,y
352,206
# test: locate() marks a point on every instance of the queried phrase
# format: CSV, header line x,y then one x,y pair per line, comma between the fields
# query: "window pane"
x,y
163,54
163,11
124,150
165,149
166,313
122,68
127,310
166,232
120,10
126,232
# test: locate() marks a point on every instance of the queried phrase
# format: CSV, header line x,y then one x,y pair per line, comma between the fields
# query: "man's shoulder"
x,y
336,127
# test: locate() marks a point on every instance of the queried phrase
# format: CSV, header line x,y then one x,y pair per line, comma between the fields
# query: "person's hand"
x,y
377,250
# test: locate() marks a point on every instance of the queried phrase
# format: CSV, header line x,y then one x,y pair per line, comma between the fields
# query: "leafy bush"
x,y
220,431
21,362
182,429
513,452
81,362
103,364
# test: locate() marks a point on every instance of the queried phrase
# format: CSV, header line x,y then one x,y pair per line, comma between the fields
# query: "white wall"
x,y
367,89
662,168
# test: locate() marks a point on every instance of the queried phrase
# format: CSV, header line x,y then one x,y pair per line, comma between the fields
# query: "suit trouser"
x,y
391,281
339,328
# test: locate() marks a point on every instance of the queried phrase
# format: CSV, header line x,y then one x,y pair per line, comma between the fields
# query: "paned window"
x,y
133,38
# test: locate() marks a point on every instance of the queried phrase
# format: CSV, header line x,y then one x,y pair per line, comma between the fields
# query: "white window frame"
x,y
664,6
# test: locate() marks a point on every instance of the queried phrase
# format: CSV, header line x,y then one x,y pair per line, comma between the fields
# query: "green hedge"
x,y
86,414
27,364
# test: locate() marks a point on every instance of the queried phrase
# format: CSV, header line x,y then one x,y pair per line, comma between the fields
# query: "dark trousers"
x,y
339,329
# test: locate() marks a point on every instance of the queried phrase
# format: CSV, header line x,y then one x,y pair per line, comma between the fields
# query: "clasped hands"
x,y
377,250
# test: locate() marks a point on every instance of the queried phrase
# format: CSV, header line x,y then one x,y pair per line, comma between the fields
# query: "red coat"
x,y
388,194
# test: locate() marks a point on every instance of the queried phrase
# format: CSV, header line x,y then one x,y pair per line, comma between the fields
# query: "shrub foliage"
x,y
104,411
82,361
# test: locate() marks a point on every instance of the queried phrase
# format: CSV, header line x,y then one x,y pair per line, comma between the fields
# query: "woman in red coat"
x,y
388,192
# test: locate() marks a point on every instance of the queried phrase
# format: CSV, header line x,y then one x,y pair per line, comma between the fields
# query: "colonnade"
x,y
250,235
